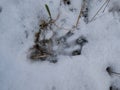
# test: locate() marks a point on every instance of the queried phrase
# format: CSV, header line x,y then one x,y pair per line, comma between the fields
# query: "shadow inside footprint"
x,y
113,88
53,88
0,9
109,70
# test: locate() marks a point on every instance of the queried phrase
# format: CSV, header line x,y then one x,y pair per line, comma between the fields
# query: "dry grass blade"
x,y
61,27
48,10
99,10
80,14
106,5
38,56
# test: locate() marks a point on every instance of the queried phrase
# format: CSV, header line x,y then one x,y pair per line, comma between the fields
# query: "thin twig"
x,y
115,73
99,10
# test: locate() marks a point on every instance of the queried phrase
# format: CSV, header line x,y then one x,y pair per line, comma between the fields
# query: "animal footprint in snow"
x,y
75,47
81,41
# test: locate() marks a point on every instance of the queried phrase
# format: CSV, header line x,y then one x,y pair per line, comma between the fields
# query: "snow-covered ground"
x,y
19,20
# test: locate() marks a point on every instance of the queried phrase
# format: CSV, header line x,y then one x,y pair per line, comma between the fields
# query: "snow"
x,y
19,20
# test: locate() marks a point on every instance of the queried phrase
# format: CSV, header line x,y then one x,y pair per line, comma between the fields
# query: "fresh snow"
x,y
19,20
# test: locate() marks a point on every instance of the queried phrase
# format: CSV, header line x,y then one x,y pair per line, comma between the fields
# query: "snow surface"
x,y
19,20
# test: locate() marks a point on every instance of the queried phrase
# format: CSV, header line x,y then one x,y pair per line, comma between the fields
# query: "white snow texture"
x,y
19,20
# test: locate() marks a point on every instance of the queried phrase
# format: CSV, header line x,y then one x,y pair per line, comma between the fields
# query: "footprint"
x,y
79,43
